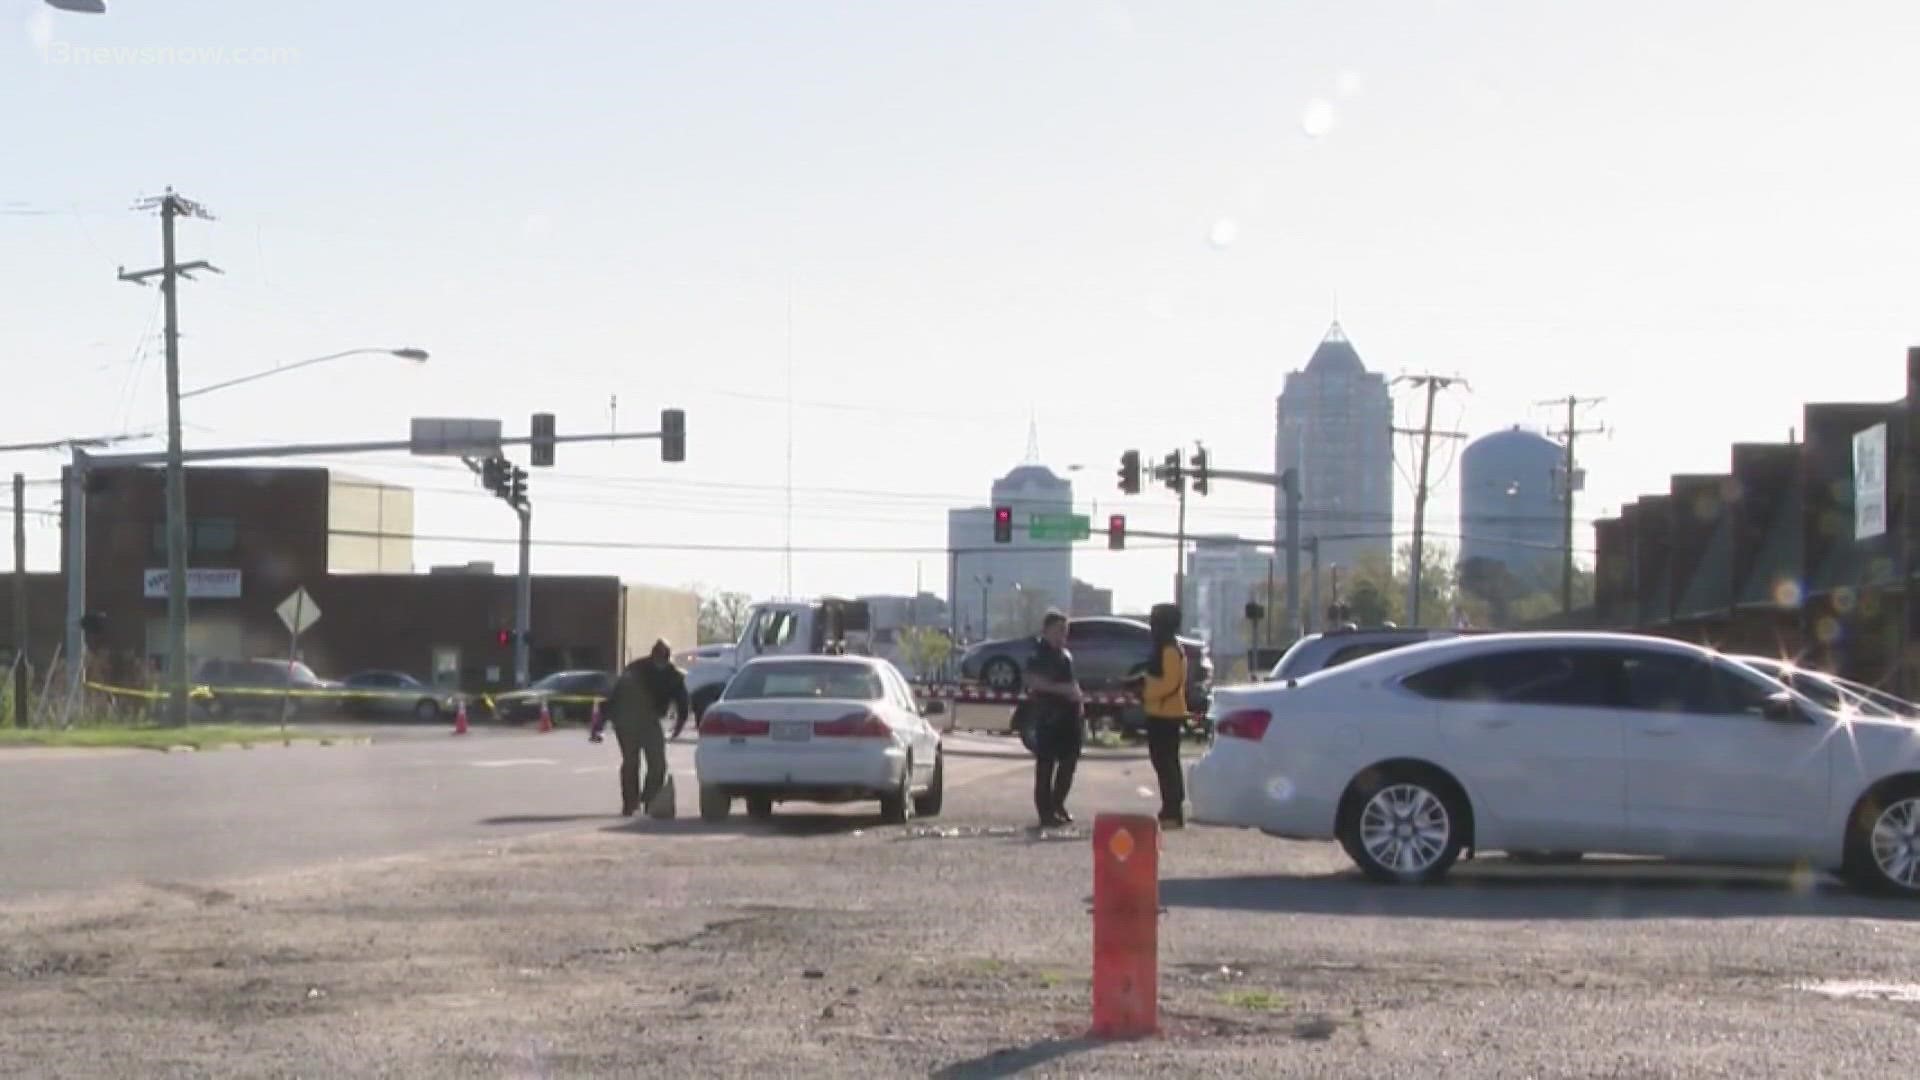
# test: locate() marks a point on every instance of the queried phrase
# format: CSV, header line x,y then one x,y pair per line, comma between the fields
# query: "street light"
x,y
418,356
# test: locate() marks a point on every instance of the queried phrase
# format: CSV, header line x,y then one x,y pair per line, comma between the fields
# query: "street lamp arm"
x,y
416,355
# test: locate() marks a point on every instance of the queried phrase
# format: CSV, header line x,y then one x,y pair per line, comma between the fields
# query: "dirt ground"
x,y
829,945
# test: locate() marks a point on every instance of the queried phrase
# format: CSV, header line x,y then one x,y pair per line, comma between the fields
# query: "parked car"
x,y
819,729
259,687
564,693
1105,650
372,694
1565,742
1318,652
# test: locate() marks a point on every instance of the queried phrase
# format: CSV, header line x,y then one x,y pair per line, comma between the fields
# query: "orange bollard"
x,y
546,718
1126,926
460,718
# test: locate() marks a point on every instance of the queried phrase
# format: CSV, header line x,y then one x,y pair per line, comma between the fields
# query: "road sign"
x,y
1059,526
435,436
298,611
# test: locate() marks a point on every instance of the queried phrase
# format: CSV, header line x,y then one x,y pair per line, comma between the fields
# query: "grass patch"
x,y
198,736
1254,1000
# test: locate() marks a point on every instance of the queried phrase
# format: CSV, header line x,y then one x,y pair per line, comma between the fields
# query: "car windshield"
x,y
559,680
838,682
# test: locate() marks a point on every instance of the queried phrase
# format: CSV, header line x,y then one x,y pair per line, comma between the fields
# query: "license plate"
x,y
792,731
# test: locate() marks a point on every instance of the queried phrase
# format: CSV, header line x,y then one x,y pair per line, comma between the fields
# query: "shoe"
x,y
1170,823
628,811
1062,817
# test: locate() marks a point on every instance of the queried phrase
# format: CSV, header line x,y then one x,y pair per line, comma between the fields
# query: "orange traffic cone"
x,y
546,719
460,718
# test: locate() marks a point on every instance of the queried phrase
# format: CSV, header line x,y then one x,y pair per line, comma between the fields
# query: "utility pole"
x,y
1312,544
21,679
1433,384
523,598
1568,485
172,206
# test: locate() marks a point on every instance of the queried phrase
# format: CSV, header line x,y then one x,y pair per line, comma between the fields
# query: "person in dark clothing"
x,y
1163,697
1059,720
641,697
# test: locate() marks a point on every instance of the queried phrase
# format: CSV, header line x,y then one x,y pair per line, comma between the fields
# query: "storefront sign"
x,y
201,584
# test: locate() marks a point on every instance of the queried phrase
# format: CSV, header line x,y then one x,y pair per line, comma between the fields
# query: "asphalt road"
x,y
83,821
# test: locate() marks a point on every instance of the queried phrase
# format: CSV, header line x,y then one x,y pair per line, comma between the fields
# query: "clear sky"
x,y
1126,220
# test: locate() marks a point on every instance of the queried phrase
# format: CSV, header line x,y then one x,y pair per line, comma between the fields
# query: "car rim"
x,y
1896,843
1405,828
999,676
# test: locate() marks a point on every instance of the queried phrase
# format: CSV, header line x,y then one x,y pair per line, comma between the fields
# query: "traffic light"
x,y
543,440
1171,473
503,637
673,435
1255,611
1199,470
1130,472
493,475
1003,524
517,487
1116,532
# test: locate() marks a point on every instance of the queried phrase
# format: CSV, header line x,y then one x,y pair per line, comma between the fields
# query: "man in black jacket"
x,y
640,700
1059,724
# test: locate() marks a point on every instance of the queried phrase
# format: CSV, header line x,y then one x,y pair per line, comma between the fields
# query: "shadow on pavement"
x,y
1634,890
1014,1060
740,824
545,819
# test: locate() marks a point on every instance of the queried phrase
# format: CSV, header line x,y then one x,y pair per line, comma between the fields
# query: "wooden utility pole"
x,y
1433,384
1568,485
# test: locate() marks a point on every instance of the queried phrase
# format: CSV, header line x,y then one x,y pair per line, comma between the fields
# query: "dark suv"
x,y
257,688
1318,652
1105,650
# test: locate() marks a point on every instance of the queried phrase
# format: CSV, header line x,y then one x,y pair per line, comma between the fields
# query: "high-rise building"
x,y
1018,581
1335,426
1223,573
1511,508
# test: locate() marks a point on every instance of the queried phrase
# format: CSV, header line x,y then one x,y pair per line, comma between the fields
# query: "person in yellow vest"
x,y
1163,696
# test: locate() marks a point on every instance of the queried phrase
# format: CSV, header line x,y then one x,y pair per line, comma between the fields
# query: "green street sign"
x,y
1059,526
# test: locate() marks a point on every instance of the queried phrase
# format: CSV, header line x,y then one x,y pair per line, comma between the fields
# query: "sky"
x,y
935,226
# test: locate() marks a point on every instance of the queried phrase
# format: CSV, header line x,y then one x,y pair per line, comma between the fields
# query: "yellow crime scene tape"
x,y
202,692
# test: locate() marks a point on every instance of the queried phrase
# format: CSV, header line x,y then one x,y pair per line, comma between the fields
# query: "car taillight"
x,y
860,725
726,725
1244,724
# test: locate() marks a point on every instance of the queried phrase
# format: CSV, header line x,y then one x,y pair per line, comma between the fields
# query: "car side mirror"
x,y
1781,708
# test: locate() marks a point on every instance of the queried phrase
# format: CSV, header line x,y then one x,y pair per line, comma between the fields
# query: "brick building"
x,y
257,534
1795,551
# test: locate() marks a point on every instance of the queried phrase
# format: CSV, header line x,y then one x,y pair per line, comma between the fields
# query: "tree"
x,y
723,615
925,649
1378,595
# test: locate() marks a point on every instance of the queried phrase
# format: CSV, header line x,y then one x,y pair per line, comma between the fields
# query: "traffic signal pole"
x,y
523,597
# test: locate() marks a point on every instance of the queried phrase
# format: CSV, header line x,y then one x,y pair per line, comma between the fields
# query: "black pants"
x,y
1163,748
1058,746
646,738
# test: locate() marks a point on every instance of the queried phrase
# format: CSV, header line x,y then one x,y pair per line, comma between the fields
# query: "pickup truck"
x,y
781,628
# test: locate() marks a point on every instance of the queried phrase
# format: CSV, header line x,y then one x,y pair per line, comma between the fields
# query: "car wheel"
x,y
427,711
715,805
928,805
1883,842
896,808
1403,826
1001,674
759,807
1546,858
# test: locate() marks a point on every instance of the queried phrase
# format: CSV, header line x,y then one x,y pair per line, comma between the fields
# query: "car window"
x,y
842,682
1354,652
776,629
1666,682
1581,678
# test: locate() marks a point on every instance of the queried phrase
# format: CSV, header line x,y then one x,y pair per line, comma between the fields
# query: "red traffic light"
x,y
1117,532
503,638
1002,524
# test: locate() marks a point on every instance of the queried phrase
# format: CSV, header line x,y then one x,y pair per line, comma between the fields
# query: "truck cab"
x,y
783,628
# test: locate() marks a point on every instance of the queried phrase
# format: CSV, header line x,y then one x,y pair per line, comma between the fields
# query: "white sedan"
x,y
1565,742
819,729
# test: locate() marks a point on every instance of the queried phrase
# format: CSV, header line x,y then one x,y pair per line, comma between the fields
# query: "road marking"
x,y
593,768
506,762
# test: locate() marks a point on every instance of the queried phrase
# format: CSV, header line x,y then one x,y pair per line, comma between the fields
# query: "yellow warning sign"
x,y
1121,844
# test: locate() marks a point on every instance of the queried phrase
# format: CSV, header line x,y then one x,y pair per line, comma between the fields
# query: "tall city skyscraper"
x,y
1015,582
1335,425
